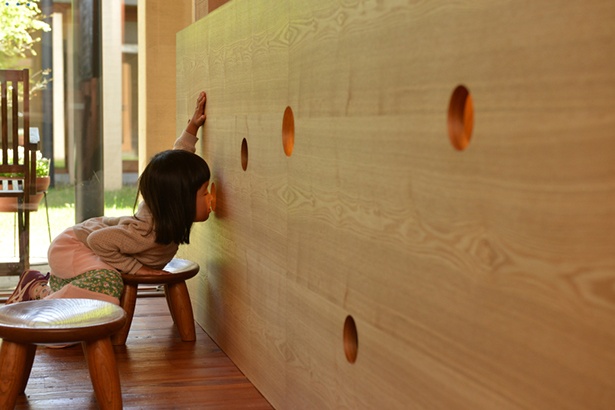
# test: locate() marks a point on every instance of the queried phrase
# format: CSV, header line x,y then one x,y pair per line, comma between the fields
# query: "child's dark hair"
x,y
168,186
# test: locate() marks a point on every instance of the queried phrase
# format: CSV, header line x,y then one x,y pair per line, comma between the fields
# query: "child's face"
x,y
203,203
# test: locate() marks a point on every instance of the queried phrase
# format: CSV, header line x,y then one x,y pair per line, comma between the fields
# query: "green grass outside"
x,y
61,205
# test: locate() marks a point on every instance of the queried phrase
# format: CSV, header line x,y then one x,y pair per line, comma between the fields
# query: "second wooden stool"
x,y
23,325
176,293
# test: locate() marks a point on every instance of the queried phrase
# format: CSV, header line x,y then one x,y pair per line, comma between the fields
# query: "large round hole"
x,y
244,154
351,339
460,118
288,131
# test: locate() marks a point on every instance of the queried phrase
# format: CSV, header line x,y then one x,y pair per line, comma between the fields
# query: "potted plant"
x,y
42,182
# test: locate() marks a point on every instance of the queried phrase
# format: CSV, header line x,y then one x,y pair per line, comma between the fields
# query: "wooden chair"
x,y
14,98
176,291
24,325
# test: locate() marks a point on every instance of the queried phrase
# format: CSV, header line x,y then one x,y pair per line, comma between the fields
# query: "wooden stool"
x,y
176,292
24,325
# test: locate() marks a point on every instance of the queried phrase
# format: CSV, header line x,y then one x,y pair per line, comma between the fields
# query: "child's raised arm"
x,y
199,117
187,140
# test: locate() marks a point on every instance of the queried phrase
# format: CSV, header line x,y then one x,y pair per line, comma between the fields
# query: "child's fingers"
x,y
199,116
202,99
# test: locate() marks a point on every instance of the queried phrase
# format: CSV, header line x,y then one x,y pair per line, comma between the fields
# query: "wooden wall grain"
x,y
481,278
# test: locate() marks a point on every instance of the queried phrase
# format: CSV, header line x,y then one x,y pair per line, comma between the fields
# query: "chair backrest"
x,y
17,153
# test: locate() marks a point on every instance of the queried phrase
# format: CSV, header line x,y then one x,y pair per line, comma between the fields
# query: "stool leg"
x,y
29,360
104,374
166,294
127,302
15,363
178,300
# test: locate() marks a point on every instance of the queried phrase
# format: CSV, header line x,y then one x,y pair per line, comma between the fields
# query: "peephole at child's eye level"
x,y
212,191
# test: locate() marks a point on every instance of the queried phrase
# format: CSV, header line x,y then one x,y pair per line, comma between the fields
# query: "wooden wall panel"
x,y
480,278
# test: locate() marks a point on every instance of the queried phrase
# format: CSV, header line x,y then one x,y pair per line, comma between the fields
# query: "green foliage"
x,y
117,203
20,24
61,203
42,166
42,163
122,199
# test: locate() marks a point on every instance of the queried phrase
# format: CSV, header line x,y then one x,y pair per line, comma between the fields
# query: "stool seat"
x,y
178,299
178,270
59,320
92,322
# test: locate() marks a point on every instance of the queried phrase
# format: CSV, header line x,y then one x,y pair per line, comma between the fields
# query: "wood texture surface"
x,y
102,367
175,290
157,371
91,322
12,359
59,320
479,278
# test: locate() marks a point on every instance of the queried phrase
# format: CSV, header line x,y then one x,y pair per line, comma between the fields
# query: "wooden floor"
x,y
157,371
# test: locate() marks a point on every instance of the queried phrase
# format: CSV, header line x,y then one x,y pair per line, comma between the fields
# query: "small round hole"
x,y
460,118
288,131
244,154
212,191
351,339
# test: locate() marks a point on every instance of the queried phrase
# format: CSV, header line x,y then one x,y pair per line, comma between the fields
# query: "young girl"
x,y
86,260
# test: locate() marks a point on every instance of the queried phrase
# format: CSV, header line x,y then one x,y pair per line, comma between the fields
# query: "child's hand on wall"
x,y
199,117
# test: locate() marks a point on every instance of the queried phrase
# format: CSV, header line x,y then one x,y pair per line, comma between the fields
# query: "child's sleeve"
x,y
116,246
186,142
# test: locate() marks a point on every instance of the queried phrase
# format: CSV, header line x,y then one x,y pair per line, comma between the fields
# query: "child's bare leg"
x,y
73,292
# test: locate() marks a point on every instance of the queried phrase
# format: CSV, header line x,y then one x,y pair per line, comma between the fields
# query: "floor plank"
x,y
157,371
